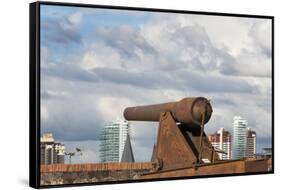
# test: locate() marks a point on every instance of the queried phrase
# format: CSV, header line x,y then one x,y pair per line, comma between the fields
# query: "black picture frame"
x,y
34,88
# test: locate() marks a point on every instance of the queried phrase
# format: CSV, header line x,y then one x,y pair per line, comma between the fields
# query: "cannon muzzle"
x,y
187,111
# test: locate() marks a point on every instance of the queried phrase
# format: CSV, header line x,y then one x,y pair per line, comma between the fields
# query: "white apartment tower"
x,y
221,140
51,152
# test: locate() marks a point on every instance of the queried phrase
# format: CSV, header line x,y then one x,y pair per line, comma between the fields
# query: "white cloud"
x,y
44,113
228,33
261,32
100,56
75,18
111,107
254,64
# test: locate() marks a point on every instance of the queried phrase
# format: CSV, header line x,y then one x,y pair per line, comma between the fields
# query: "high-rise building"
x,y
239,137
115,143
251,143
51,152
221,140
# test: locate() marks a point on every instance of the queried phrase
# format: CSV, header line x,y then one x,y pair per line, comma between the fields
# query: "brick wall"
x,y
56,174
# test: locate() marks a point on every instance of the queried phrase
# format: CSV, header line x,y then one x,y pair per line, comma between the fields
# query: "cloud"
x,y
61,31
124,39
201,43
75,18
178,80
254,64
261,33
44,113
73,118
138,79
68,72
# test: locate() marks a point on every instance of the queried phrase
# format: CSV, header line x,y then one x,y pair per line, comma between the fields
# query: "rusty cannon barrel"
x,y
187,111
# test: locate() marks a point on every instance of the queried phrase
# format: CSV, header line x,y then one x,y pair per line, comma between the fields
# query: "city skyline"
x,y
242,142
79,160
221,140
95,63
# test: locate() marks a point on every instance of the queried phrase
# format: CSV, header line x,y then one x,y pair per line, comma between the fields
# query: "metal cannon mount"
x,y
181,139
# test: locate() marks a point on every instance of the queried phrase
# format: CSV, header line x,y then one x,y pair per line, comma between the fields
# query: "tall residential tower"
x,y
115,143
239,137
251,143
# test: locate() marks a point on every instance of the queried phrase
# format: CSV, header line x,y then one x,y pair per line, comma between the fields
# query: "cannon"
x,y
181,140
188,111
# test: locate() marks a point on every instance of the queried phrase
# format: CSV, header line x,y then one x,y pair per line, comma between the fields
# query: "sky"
x,y
97,62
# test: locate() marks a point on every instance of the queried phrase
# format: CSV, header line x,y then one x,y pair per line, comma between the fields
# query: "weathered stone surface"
x,y
57,174
58,178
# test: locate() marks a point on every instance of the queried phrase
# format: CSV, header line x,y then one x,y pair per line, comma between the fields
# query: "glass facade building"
x,y
239,137
113,139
